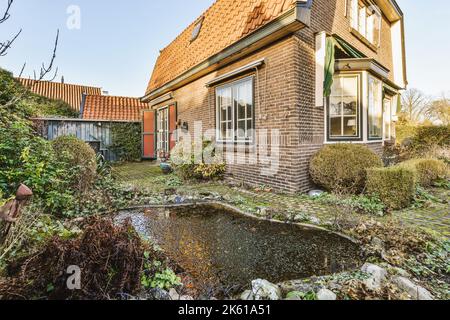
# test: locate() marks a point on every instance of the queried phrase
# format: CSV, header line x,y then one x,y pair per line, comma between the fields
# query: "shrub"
x,y
427,136
188,167
394,186
127,143
79,159
342,168
427,171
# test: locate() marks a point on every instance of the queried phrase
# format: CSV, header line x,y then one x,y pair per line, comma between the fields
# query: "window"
x,y
197,28
344,107
387,118
235,111
375,109
366,19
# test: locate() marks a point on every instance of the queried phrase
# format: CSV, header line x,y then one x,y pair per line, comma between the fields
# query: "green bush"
x,y
427,136
127,141
79,159
394,186
427,171
341,168
188,168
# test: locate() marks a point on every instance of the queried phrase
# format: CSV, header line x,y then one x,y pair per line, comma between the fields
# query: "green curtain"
x,y
329,66
332,43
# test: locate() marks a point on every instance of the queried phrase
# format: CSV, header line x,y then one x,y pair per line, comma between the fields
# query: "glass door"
x,y
162,130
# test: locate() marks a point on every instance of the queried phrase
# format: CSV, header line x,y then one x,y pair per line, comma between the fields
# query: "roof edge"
x,y
294,19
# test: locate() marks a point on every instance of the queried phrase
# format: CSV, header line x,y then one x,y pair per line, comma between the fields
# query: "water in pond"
x,y
219,248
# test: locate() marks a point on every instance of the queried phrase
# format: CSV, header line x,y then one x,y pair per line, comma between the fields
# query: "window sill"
x,y
363,39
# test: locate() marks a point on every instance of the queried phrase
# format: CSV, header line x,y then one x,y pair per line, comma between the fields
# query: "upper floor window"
x,y
235,111
366,19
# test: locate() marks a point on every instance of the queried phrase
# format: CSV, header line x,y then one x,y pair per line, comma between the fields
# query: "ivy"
x,y
126,141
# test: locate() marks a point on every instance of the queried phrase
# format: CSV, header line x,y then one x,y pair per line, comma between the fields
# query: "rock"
x,y
314,220
294,295
186,298
416,292
315,193
264,290
296,286
326,295
246,295
174,294
378,244
157,294
377,276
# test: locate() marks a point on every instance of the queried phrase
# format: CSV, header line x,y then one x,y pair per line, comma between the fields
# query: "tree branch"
x,y
7,15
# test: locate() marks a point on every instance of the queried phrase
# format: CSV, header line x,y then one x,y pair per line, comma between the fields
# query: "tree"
x,y
439,110
5,45
414,105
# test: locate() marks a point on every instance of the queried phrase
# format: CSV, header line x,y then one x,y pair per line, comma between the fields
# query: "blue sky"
x,y
119,41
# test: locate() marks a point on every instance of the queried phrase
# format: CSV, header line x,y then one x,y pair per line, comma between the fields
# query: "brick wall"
x,y
284,98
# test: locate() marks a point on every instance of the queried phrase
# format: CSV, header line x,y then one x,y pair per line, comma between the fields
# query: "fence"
x,y
96,133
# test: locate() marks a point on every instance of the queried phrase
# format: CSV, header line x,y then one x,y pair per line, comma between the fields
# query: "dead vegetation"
x,y
110,258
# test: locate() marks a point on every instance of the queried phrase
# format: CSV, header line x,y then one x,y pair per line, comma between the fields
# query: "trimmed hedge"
x,y
427,171
394,186
341,168
127,141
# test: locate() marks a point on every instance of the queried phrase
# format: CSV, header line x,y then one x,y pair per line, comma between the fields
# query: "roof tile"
x,y
112,108
225,22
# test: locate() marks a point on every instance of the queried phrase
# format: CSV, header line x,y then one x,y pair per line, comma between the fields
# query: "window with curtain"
x,y
375,109
235,111
366,19
343,108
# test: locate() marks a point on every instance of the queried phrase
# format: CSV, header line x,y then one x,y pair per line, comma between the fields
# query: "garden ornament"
x,y
11,210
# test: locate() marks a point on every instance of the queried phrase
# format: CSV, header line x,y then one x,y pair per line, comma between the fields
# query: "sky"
x,y
114,44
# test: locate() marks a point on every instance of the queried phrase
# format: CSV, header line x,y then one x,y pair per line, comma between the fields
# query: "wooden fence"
x,y
96,133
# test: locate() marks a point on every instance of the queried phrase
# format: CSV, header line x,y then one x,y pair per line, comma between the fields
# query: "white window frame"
x,y
387,113
162,130
363,23
233,118
342,137
372,104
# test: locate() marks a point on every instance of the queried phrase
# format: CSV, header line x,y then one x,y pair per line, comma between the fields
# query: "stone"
x,y
247,295
294,295
314,220
326,295
157,294
315,193
264,290
174,294
415,291
296,286
186,298
377,274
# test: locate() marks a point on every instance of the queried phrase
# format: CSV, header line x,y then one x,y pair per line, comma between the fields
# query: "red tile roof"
x,y
224,23
69,93
113,108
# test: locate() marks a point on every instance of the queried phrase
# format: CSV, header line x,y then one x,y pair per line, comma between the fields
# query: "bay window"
x,y
366,20
235,111
375,107
344,108
387,118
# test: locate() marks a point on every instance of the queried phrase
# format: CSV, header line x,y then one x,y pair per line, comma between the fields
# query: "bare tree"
x,y
414,105
438,110
6,45
44,70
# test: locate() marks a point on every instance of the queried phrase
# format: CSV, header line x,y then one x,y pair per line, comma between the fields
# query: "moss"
x,y
342,168
394,186
427,171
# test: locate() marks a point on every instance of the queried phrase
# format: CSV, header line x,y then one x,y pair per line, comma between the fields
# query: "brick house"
x,y
314,71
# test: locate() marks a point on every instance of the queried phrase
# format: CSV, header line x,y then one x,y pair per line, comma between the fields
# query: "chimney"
x,y
62,79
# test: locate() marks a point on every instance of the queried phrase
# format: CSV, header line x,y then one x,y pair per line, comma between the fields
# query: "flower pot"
x,y
166,168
